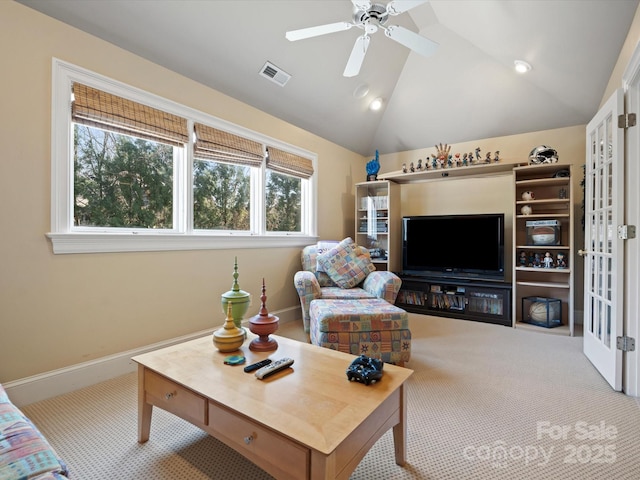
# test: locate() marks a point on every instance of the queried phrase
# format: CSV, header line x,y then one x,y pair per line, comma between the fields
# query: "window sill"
x,y
64,243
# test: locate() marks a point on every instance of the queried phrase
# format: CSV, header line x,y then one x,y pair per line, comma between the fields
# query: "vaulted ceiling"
x,y
467,90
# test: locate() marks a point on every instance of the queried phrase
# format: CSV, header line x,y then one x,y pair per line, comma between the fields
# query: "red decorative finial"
x,y
263,299
263,325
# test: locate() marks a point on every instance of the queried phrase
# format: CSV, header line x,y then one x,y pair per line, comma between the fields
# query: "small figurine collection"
x,y
443,158
538,260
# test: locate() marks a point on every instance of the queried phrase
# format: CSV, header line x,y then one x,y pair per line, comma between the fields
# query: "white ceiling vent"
x,y
275,74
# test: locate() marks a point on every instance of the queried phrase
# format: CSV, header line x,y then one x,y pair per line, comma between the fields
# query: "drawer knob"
x,y
169,395
248,439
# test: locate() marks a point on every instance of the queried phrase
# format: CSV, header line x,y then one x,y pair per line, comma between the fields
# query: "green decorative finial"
x,y
240,298
235,287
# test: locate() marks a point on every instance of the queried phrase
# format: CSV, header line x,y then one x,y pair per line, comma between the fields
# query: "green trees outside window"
x,y
283,205
127,182
221,196
121,181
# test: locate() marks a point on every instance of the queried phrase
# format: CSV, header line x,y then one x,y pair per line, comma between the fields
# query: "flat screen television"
x,y
454,246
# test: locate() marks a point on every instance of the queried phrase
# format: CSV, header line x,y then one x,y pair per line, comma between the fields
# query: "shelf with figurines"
x,y
444,164
543,260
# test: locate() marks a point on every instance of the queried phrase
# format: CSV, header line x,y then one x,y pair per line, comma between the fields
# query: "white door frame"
x,y
631,361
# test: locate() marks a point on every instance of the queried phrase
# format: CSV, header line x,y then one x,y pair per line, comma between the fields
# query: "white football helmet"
x,y
543,154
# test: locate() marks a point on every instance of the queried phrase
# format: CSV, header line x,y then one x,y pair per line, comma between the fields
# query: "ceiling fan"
x,y
369,17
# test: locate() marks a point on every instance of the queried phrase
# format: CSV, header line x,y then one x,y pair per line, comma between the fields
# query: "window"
x,y
135,172
221,196
121,181
285,176
223,169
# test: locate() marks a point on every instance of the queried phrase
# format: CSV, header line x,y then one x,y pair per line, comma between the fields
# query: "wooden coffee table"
x,y
306,422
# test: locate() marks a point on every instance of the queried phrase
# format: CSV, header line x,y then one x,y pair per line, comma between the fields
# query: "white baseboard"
x,y
32,389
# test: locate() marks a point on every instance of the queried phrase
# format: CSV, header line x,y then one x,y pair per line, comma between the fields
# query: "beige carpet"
x,y
485,401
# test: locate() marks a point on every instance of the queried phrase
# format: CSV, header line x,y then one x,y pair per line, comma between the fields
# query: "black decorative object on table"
x,y
257,366
365,370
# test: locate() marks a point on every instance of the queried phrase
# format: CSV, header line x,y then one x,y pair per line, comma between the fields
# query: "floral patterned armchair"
x,y
312,284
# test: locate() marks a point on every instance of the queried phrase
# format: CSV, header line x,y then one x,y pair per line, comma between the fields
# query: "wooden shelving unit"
x,y
378,222
553,201
487,169
477,300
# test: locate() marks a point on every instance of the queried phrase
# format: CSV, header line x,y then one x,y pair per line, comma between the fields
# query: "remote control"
x,y
274,367
257,365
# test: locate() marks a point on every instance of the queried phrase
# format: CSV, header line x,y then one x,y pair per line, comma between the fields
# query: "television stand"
x,y
467,299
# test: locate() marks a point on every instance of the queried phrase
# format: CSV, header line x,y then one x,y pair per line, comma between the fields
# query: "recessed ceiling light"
x,y
361,90
522,66
376,104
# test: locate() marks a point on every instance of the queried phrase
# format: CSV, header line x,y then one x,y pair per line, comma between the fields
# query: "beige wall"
x,y
60,310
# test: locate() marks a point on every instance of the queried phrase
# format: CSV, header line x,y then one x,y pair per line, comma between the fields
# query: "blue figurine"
x,y
373,167
478,154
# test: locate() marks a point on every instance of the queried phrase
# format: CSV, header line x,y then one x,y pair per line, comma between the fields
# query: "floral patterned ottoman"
x,y
371,327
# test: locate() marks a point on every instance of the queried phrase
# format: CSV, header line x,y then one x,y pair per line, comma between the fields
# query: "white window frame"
x,y
67,238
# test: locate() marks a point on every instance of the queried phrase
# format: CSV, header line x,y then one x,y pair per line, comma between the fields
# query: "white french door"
x,y
603,253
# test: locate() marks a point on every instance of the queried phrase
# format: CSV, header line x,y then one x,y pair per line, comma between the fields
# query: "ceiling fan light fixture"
x,y
376,104
361,91
522,66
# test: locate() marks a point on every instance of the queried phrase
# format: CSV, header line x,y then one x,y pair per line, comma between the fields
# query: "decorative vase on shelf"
x,y
239,298
229,338
263,325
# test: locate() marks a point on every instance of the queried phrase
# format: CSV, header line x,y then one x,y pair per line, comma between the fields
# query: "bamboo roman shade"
x,y
221,146
103,110
289,163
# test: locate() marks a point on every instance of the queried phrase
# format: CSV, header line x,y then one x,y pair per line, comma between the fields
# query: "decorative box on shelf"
x,y
542,311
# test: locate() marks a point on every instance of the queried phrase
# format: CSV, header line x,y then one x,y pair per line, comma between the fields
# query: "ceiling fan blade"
x,y
303,33
361,4
396,7
411,40
357,56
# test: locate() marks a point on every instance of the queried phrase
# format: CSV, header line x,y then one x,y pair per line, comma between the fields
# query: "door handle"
x,y
583,253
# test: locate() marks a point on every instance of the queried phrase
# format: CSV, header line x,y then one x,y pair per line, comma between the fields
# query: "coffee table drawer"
x,y
174,398
276,454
